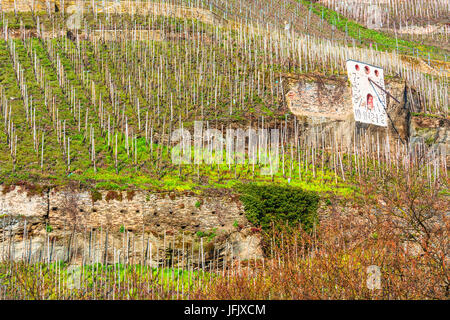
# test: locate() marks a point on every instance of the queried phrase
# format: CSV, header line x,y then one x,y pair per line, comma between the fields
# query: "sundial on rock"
x,y
368,93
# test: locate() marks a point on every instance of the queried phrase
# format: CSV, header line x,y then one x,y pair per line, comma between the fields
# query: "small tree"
x,y
419,211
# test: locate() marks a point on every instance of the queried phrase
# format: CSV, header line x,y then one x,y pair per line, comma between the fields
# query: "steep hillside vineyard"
x,y
97,95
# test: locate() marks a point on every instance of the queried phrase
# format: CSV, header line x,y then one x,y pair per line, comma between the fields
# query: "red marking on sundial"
x,y
369,102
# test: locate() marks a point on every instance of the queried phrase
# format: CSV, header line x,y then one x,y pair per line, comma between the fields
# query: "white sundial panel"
x,y
369,100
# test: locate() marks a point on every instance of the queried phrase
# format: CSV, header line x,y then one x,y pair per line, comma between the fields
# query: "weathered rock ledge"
x,y
157,218
325,104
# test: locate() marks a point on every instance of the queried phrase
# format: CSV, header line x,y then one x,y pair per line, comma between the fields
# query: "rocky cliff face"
x,y
28,5
432,131
151,220
324,104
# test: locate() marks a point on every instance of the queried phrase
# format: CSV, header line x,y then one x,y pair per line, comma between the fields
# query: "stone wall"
x,y
140,210
51,216
134,210
27,5
17,201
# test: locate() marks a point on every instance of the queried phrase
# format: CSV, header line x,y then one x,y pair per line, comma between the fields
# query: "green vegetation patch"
x,y
265,204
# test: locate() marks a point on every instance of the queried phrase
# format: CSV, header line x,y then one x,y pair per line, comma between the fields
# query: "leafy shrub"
x,y
209,235
95,196
130,195
113,195
265,204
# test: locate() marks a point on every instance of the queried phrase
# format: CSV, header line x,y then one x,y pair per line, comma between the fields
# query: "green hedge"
x,y
265,204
